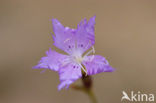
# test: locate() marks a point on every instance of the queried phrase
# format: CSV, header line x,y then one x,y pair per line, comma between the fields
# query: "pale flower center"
x,y
77,57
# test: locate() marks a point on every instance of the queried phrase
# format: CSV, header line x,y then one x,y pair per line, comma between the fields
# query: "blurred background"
x,y
125,34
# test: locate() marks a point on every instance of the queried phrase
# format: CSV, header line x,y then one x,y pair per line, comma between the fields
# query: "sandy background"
x,y
125,34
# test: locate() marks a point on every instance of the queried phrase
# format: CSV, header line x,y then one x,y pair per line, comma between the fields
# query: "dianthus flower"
x,y
79,45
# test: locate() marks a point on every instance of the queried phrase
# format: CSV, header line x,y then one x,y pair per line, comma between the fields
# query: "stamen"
x,y
83,69
65,62
88,44
67,40
91,51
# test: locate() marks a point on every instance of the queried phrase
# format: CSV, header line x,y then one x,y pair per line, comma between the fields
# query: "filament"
x,y
83,69
89,52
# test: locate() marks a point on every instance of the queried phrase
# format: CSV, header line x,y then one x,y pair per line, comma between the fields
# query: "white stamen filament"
x,y
67,40
65,62
88,44
76,56
93,49
83,69
89,52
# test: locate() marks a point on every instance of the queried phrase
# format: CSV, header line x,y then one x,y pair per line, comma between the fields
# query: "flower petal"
x,y
52,61
85,34
64,37
96,64
68,39
69,74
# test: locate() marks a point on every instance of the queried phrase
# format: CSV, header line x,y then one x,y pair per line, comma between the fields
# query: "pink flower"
x,y
78,44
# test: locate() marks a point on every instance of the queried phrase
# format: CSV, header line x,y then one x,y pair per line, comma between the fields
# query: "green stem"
x,y
88,91
91,96
86,87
